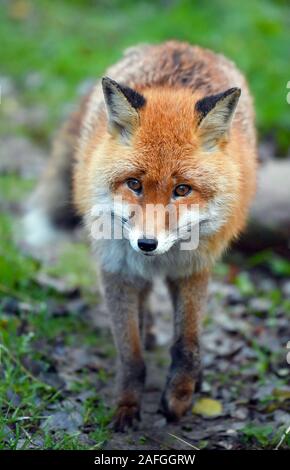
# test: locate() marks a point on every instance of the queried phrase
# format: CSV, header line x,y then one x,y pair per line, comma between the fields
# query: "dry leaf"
x,y
207,407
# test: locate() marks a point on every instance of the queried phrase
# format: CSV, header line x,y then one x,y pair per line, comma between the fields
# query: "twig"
x,y
282,438
157,441
184,442
97,446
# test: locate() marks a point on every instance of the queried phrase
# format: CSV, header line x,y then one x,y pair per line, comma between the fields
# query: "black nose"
x,y
147,244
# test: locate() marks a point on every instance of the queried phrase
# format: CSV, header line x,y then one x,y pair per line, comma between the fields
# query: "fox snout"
x,y
147,245
154,230
152,243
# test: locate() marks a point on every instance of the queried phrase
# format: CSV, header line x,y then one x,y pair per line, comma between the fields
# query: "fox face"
x,y
164,164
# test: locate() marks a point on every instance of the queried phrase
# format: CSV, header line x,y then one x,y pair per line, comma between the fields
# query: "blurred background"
x,y
49,50
56,354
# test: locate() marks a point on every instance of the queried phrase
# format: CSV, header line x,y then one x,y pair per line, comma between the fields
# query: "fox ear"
x,y
122,107
215,114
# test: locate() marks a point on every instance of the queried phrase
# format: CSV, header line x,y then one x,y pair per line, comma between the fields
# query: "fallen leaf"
x,y
281,394
207,407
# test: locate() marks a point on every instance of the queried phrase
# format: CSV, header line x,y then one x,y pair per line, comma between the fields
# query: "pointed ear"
x,y
215,114
122,105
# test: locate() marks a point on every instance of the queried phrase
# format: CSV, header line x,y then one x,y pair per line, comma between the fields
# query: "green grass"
x,y
75,265
12,189
22,417
69,41
25,395
264,437
16,270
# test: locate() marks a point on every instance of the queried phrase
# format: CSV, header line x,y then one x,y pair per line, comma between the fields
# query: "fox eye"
x,y
182,190
135,185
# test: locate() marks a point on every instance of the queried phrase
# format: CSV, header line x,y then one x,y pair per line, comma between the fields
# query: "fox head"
x,y
165,162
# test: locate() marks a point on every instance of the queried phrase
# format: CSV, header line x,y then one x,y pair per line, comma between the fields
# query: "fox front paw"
x,y
126,417
177,399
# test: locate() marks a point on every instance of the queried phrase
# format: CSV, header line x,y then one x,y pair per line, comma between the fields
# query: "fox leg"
x,y
146,320
149,336
122,298
188,296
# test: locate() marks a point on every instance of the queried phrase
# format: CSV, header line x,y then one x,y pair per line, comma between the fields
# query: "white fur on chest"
x,y
118,256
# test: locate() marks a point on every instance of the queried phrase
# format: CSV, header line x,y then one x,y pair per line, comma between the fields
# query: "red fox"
x,y
170,125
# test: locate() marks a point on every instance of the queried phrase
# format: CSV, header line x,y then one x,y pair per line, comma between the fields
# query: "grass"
x,y
264,436
78,271
25,395
11,190
67,42
16,270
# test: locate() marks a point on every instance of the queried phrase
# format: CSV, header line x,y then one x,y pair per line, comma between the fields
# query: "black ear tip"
x,y
106,81
109,84
235,91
